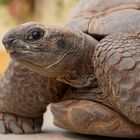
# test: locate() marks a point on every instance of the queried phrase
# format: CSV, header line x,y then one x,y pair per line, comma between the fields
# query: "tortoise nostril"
x,y
8,43
8,39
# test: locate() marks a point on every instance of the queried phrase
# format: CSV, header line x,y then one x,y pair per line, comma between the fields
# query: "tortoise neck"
x,y
82,75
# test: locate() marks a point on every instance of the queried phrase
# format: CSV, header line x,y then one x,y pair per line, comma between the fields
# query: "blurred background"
x,y
15,12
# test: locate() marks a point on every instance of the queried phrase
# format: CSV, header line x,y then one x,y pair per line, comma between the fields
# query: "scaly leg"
x,y
88,117
24,96
117,68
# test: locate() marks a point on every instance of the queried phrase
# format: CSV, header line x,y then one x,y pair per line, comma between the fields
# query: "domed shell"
x,y
104,17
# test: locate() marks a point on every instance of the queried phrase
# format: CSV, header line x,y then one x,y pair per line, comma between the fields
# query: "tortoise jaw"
x,y
18,49
19,53
10,51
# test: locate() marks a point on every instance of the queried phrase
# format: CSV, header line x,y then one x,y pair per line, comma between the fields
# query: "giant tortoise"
x,y
89,70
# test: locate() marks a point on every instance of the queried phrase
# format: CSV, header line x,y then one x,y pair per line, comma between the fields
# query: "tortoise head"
x,y
44,49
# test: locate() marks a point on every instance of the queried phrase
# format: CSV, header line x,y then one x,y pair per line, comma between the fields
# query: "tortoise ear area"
x,y
61,43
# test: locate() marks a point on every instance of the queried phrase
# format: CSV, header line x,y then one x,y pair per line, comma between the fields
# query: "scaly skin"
x,y
116,62
89,117
73,57
24,96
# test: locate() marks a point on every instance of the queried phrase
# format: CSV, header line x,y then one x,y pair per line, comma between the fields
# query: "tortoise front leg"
x,y
24,96
10,123
88,117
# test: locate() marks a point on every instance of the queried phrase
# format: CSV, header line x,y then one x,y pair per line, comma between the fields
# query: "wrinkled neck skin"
x,y
80,71
74,64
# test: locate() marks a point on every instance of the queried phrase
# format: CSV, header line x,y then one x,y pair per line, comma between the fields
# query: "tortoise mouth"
x,y
17,50
19,53
25,57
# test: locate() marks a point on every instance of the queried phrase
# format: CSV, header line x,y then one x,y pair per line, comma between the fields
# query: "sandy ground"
x,y
50,132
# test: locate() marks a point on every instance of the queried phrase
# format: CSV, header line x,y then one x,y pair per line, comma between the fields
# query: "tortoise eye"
x,y
35,35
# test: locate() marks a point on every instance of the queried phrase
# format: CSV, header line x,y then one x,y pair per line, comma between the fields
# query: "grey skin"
x,y
94,86
88,80
37,91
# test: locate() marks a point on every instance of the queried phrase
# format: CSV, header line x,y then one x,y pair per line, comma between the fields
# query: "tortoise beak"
x,y
8,39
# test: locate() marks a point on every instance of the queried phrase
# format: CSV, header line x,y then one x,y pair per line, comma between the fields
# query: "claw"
x,y
19,125
14,128
27,126
37,123
2,127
